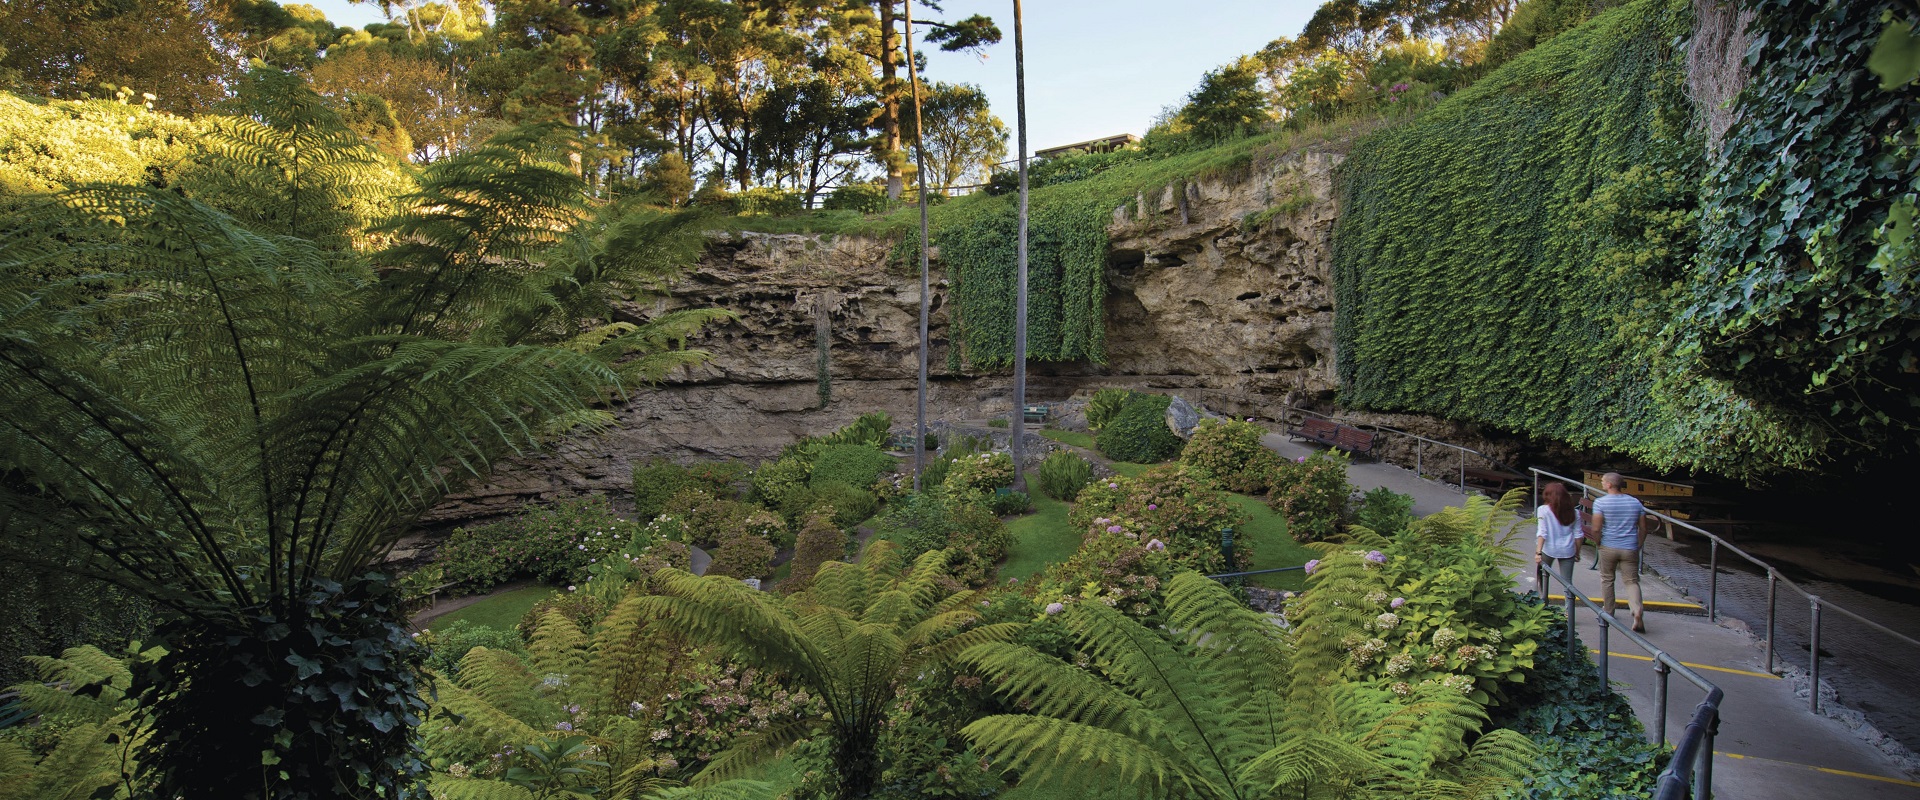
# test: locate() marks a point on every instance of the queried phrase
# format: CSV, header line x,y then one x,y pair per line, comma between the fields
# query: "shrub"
x,y
1385,512
447,644
1431,605
766,200
1230,454
973,535
1312,495
742,554
1009,503
654,484
1106,405
707,518
820,541
1062,475
722,478
552,543
852,505
775,482
1139,434
1126,572
980,472
1166,503
999,422
851,464
865,198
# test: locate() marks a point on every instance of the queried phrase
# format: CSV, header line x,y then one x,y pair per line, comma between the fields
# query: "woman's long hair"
x,y
1559,501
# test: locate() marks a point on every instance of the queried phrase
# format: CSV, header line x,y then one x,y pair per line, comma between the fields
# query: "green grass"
x,y
1266,531
1130,470
1039,539
501,611
1075,438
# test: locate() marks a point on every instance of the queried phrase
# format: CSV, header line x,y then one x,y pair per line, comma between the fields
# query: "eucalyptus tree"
x,y
236,422
880,43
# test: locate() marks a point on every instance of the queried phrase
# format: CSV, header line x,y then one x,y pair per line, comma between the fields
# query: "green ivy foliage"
x,y
1592,747
1496,259
1804,295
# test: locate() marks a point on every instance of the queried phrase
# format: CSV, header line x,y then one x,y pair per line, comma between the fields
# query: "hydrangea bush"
x,y
555,544
1170,504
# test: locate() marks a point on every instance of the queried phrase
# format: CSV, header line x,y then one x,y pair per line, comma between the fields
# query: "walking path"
x,y
1769,745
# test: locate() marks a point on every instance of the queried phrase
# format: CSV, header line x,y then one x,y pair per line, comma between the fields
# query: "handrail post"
x,y
1419,450
1813,653
1703,769
1606,651
1713,579
1463,471
1773,598
1660,670
1566,591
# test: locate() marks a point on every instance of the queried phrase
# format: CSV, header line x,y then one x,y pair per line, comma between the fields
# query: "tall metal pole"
x,y
920,179
1019,427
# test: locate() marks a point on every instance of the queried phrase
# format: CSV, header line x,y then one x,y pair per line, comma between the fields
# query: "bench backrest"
x,y
1354,439
1314,426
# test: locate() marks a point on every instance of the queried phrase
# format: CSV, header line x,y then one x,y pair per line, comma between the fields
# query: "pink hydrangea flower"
x,y
1055,608
1376,557
1153,507
1313,565
1156,544
1114,529
1398,602
1111,485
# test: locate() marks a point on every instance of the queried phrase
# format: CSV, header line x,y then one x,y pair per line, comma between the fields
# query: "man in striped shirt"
x,y
1619,521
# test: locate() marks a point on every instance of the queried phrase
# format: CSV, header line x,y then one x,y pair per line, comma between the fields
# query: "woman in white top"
x,y
1558,545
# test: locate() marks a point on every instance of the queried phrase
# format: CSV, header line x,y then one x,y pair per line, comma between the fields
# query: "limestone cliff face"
x,y
1219,289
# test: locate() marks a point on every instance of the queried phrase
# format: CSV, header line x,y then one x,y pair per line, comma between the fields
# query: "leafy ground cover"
x,y
502,611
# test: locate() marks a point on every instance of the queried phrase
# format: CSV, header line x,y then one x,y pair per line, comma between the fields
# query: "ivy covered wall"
x,y
1504,258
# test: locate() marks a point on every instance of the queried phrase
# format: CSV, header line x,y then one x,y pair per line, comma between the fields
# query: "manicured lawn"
x,y
1272,547
1039,539
501,611
1130,470
1075,438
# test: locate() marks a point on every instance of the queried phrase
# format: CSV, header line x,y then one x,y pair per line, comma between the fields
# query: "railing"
x,y
1419,452
1774,581
1693,754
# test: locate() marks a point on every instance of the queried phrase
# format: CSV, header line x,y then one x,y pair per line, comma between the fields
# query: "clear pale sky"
x,y
1094,67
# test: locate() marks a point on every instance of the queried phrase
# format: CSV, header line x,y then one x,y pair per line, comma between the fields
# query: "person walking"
x,y
1558,545
1619,522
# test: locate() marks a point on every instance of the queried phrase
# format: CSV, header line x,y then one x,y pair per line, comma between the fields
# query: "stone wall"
x,y
1220,291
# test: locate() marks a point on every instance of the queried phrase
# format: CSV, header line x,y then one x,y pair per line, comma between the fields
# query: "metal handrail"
x,y
1774,580
1692,761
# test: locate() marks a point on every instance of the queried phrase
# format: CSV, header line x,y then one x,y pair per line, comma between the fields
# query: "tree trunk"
x,y
856,758
890,101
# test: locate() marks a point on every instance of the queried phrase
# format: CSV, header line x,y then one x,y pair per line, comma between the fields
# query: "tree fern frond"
x,y
1300,760
753,750
502,680
558,646
730,790
1054,752
1055,688
446,787
946,650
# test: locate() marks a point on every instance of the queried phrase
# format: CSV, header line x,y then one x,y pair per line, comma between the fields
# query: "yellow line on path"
x,y
1840,772
1622,603
1731,670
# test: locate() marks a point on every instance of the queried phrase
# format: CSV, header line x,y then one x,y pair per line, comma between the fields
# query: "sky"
x,y
1094,67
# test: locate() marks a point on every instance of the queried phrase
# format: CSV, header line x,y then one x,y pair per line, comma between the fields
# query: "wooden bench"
x,y
1315,429
1353,440
1035,414
1493,480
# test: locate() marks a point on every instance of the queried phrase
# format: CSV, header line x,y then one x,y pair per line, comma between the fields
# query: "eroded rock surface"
x,y
1220,290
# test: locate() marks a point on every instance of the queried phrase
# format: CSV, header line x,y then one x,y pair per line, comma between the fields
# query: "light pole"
x,y
920,179
1019,426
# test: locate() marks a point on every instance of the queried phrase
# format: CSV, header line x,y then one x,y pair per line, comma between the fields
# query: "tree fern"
x,y
849,638
237,416
1207,708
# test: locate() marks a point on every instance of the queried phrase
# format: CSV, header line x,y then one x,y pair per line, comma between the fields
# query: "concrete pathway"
x,y
1769,745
